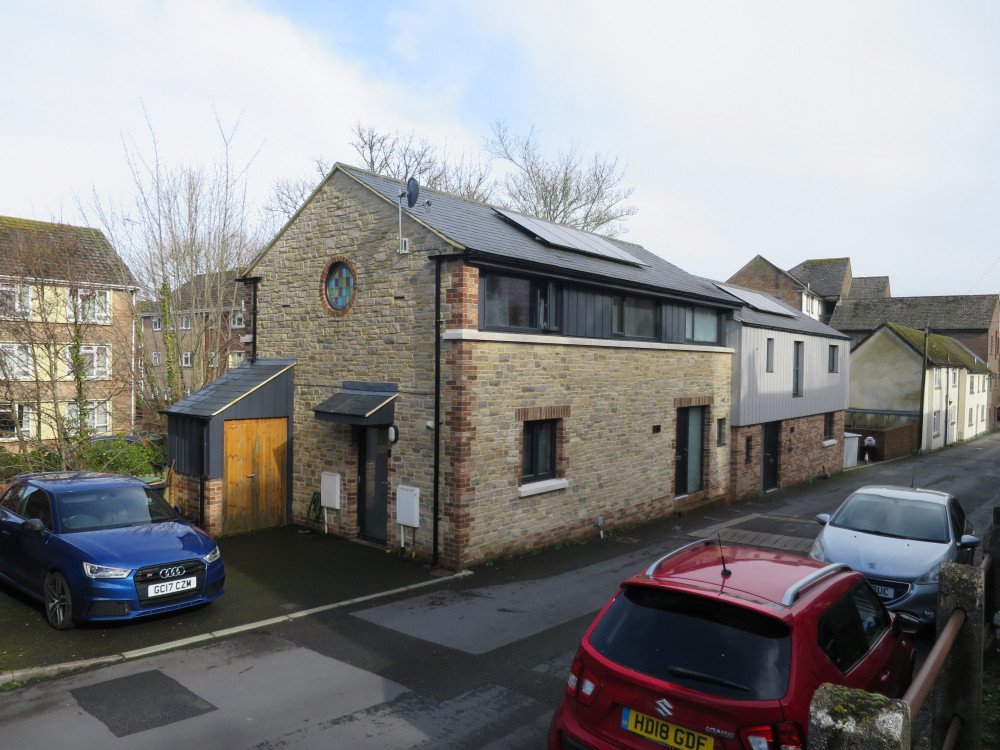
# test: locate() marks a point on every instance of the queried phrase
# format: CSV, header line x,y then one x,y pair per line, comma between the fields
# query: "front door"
x,y
690,447
769,456
373,482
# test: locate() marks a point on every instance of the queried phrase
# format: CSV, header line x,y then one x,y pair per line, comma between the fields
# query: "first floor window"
x,y
703,325
96,417
156,323
513,302
798,368
156,358
634,316
238,320
538,460
15,421
89,306
186,359
15,301
770,355
16,362
94,362
185,324
833,363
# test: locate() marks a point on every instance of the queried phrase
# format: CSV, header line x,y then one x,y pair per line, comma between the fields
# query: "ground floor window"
x,y
828,426
15,421
539,451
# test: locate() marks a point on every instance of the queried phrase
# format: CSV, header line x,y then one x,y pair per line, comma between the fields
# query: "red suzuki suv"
x,y
716,647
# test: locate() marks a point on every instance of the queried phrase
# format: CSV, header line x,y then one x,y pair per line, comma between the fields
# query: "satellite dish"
x,y
412,192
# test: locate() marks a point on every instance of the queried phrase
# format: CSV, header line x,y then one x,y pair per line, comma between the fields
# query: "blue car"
x,y
97,547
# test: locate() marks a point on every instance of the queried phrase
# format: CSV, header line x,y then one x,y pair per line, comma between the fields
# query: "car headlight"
x,y
817,552
931,576
214,555
105,571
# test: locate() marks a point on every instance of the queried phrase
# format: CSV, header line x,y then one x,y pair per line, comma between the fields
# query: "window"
x,y
15,301
937,378
16,362
748,451
95,417
238,320
156,358
157,325
89,306
538,460
852,626
970,417
722,434
93,362
633,316
937,423
213,359
828,422
236,359
798,367
833,360
15,421
954,377
185,323
512,302
770,355
703,325
186,359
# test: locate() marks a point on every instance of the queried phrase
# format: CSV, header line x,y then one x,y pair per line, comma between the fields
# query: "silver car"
x,y
898,537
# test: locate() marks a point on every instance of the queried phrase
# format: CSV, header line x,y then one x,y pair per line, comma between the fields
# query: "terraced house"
x,y
471,382
66,335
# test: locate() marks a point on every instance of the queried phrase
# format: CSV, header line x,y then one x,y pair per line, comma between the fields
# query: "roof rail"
x,y
796,589
704,542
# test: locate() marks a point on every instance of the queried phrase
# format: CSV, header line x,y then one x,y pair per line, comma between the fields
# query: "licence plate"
x,y
664,732
171,587
884,591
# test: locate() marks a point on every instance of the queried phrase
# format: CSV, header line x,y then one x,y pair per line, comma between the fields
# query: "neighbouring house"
x,y
972,320
67,339
791,375
471,382
762,275
193,335
829,278
902,375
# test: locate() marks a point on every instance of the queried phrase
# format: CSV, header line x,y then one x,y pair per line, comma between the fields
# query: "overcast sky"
x,y
794,130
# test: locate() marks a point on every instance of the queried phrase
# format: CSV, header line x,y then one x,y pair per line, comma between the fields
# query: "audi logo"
x,y
177,570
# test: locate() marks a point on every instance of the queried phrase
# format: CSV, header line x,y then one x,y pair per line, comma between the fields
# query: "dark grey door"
x,y
373,483
769,470
690,446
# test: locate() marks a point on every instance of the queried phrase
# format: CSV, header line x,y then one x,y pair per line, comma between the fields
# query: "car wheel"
x,y
58,602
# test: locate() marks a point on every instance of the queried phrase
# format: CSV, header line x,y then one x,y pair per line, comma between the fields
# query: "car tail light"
x,y
581,684
784,736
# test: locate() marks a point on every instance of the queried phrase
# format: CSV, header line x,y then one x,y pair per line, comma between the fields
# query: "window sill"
x,y
537,488
830,441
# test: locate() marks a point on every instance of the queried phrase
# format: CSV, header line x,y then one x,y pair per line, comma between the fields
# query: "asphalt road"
x,y
347,646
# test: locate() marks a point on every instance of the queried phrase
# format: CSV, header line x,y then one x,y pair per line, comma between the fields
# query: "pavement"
x,y
283,574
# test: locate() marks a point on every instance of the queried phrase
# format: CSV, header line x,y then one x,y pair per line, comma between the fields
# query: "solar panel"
x,y
758,301
568,238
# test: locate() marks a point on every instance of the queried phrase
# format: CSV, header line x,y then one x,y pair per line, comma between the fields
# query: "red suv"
x,y
717,647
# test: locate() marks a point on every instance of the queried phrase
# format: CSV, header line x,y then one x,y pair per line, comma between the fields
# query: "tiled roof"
x,y
950,313
229,388
825,276
941,350
59,252
867,287
208,291
482,232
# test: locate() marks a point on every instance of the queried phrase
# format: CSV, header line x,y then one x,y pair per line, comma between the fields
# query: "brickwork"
x,y
608,400
186,491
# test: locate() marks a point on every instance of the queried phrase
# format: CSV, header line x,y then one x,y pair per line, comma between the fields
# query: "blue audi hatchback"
x,y
98,547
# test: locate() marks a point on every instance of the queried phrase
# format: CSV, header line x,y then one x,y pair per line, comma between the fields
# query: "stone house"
x,y
470,382
66,301
901,373
791,376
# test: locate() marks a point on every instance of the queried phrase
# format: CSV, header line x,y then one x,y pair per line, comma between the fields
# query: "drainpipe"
x,y
255,280
923,394
437,403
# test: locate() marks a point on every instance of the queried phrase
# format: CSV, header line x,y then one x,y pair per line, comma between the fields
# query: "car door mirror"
x,y
904,622
34,525
823,518
968,541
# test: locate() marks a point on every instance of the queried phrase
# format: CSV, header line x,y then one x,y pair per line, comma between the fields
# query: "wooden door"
x,y
254,474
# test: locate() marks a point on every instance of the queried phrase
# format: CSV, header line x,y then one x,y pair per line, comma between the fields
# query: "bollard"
x,y
959,686
844,719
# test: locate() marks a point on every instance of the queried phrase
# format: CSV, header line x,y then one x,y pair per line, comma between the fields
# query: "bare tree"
x,y
568,190
288,195
190,229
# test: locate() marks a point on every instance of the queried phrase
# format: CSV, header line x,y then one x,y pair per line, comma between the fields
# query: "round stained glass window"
x,y
339,286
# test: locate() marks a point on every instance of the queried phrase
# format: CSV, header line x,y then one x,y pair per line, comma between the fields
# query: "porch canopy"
x,y
367,404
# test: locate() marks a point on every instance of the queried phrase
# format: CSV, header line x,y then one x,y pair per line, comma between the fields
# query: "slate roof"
x,y
825,276
941,350
868,287
208,291
796,321
59,252
480,231
946,313
230,388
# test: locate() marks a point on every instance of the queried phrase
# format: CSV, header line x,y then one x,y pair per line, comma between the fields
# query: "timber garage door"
x,y
255,473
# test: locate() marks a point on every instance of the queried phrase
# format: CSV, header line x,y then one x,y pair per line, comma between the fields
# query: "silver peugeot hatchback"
x,y
898,537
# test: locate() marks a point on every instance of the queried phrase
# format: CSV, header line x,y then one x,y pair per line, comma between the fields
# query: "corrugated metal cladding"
x,y
195,441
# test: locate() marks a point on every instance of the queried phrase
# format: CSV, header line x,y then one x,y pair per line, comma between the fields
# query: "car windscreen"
x,y
704,644
116,507
894,516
